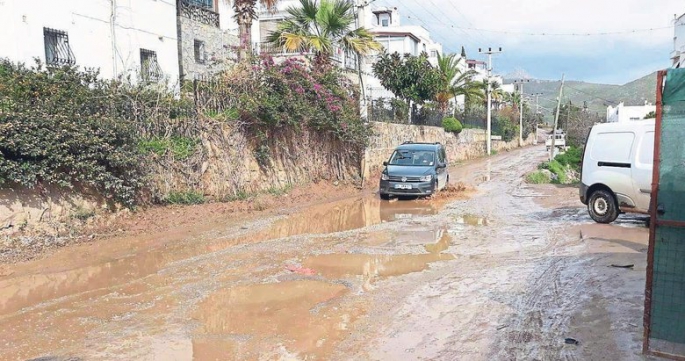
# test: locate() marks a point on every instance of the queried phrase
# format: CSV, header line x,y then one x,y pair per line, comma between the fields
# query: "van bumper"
x,y
582,190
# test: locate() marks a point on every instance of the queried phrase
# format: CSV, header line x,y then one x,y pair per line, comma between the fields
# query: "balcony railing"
x,y
339,57
191,10
271,49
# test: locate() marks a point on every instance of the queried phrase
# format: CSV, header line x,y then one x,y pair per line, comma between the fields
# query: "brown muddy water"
x,y
495,275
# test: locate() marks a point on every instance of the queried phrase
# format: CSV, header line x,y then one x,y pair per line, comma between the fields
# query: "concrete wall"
x,y
468,144
146,24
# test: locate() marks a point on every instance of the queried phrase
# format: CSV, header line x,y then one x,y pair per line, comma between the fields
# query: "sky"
x,y
612,58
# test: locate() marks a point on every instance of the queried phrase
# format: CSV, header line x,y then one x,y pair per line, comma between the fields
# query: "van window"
x,y
613,147
646,152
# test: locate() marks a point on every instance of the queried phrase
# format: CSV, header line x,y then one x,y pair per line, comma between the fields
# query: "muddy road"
x,y
499,271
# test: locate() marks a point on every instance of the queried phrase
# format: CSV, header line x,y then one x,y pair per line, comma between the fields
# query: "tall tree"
x,y
245,13
322,27
455,81
411,78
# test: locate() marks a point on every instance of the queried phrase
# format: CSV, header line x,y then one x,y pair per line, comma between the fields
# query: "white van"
x,y
616,174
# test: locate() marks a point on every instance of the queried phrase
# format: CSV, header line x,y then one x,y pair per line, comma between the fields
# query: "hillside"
x,y
597,96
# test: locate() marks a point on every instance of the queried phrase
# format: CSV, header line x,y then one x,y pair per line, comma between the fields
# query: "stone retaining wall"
x,y
468,144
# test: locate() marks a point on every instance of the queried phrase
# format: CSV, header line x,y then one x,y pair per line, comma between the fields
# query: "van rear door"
x,y
611,154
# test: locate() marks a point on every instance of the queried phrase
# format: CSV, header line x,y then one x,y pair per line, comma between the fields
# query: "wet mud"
x,y
492,270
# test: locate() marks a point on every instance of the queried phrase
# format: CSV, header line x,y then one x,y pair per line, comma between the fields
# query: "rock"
x,y
336,183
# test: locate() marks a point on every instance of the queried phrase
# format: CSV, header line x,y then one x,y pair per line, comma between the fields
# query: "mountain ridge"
x,y
595,96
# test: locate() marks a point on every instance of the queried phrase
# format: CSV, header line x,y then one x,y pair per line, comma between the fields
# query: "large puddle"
x,y
368,265
100,271
301,316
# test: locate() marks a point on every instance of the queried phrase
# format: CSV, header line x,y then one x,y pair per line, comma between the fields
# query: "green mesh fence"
x,y
667,320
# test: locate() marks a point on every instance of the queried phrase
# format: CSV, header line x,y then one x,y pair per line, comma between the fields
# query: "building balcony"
x,y
196,11
273,50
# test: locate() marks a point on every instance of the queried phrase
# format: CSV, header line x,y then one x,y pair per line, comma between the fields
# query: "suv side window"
x,y
441,155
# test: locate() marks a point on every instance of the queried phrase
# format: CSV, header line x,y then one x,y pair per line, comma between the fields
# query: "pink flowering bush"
x,y
292,94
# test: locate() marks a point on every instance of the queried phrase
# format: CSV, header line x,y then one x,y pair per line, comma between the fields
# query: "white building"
x,y
622,113
128,37
385,24
267,22
678,54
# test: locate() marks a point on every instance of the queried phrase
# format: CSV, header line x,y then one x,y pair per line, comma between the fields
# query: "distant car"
x,y
559,141
616,175
417,169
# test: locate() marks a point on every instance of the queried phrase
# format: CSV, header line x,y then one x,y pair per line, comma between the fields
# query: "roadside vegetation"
x,y
564,169
70,129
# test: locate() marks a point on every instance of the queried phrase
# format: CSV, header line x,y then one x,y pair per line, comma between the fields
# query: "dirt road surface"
x,y
500,271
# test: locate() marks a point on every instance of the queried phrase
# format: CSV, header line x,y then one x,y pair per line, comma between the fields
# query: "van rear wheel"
x,y
602,207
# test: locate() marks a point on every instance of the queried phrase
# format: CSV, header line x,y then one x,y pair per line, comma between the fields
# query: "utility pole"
x,y
360,19
520,82
488,131
537,110
556,118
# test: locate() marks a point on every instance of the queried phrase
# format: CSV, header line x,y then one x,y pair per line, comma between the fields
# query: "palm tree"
x,y
244,14
496,93
514,99
321,27
456,82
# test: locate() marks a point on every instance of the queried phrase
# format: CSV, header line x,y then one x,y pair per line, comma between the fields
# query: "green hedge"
x,y
59,126
452,125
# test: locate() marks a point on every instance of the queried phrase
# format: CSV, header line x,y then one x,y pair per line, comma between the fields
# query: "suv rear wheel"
x,y
602,207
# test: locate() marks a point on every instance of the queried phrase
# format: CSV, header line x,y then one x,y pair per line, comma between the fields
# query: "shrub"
x,y
571,158
58,126
180,147
189,197
505,127
558,171
452,125
294,95
538,177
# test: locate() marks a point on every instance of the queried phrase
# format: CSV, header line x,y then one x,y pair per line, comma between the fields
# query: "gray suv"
x,y
415,169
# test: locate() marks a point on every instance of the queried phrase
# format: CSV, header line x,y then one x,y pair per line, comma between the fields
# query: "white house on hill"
x,y
622,113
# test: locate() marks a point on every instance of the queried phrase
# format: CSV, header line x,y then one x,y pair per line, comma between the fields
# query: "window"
x,y
149,68
200,55
613,147
434,53
384,23
57,49
635,118
207,4
412,157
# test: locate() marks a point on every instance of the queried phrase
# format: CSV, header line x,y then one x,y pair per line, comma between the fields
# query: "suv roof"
x,y
418,146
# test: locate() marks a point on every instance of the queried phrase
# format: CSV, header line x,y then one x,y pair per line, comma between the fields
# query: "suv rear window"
x,y
412,157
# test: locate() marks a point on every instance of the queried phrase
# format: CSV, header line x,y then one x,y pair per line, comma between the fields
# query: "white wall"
x,y
622,113
678,55
148,24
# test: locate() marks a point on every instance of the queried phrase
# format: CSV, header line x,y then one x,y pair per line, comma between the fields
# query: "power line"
x,y
486,38
603,33
464,32
592,95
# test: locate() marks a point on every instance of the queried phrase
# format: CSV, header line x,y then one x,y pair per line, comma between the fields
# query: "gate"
x,y
664,321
